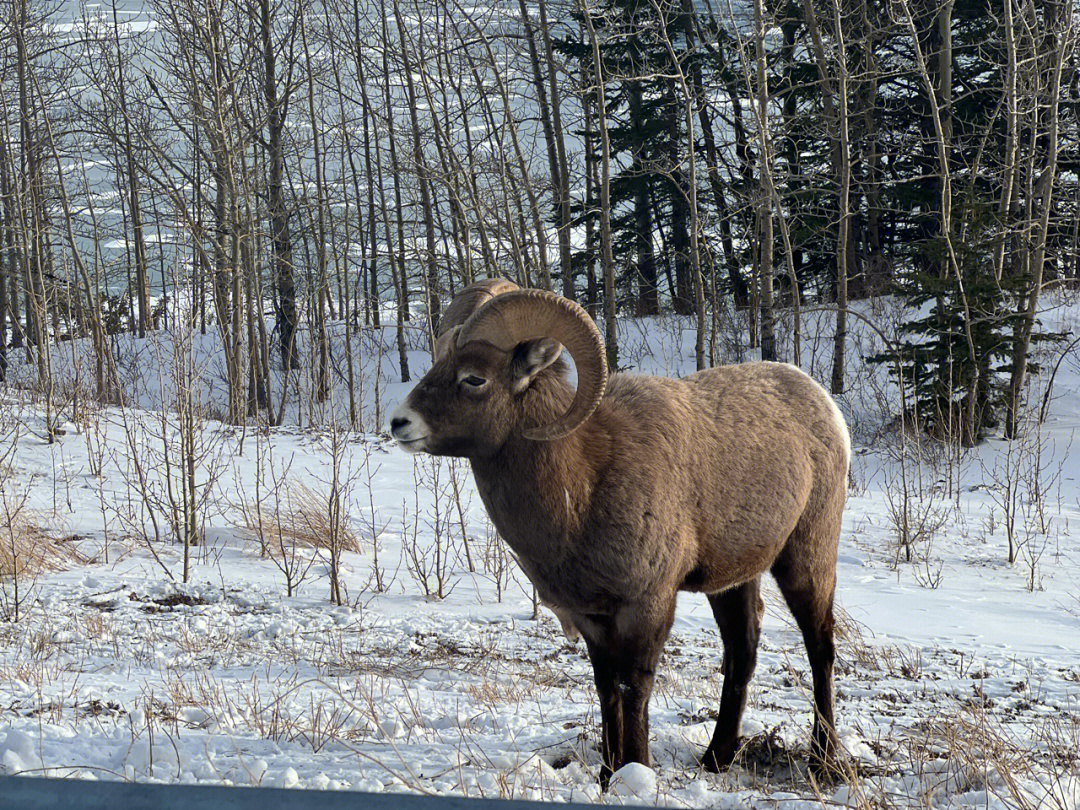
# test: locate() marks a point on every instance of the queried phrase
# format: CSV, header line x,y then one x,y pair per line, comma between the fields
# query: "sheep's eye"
x,y
474,381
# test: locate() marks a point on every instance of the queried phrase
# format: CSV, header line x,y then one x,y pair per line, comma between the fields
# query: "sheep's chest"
x,y
591,570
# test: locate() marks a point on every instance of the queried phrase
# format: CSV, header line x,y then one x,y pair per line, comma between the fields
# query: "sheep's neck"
x,y
539,493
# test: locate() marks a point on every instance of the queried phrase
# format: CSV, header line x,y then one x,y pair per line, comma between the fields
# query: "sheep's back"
x,y
732,458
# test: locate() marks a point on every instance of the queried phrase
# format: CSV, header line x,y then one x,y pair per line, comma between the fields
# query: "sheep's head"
x,y
494,341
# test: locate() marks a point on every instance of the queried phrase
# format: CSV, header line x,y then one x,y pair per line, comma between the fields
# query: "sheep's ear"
x,y
532,357
443,342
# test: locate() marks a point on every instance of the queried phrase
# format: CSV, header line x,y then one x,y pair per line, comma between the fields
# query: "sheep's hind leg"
x,y
738,615
811,601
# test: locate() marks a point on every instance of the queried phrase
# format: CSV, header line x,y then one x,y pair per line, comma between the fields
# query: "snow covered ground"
x,y
958,681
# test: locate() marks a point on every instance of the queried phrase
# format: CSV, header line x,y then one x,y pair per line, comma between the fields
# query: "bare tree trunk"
x,y
142,295
346,159
648,302
431,260
451,168
9,277
220,277
373,302
468,168
280,239
876,268
592,295
1012,167
397,267
563,188
937,78
8,262
739,289
546,121
31,209
843,223
106,378
322,293
835,102
683,87
1061,40
607,261
765,203
515,140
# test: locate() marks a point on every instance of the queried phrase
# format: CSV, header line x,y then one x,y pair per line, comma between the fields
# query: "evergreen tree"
x,y
950,277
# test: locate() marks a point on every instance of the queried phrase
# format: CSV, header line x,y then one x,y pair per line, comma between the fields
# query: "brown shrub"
x,y
26,549
298,517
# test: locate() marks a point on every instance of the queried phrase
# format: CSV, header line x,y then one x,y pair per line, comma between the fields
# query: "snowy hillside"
x,y
958,681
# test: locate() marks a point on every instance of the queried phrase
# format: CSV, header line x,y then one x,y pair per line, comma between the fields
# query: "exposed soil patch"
x,y
168,602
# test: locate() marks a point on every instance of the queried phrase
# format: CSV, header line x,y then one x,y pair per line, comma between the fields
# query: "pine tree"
x,y
961,295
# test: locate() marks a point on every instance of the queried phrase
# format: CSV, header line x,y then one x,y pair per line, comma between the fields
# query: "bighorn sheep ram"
x,y
619,495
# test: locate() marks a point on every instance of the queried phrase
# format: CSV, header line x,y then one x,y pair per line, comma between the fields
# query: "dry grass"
x,y
26,549
298,517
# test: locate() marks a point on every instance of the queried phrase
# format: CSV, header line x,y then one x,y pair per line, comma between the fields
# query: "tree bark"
x,y
280,239
142,294
607,261
431,259
563,189
1044,196
765,203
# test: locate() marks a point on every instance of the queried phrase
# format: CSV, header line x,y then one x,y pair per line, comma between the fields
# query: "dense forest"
x,y
268,172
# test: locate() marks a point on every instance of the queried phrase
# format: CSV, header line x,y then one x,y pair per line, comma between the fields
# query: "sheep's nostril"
x,y
397,423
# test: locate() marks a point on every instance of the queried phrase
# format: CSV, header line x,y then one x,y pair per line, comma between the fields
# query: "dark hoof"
x,y
605,778
824,764
717,759
826,771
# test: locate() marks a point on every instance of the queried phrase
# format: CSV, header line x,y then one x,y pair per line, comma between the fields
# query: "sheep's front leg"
x,y
635,685
606,675
640,633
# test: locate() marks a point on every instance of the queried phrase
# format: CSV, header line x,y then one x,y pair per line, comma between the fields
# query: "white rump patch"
x,y
841,426
838,417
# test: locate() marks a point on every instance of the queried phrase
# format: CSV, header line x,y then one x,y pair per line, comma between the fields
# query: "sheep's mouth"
x,y
412,445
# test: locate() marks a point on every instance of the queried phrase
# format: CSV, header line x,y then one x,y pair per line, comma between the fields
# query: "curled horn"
x,y
465,303
520,315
